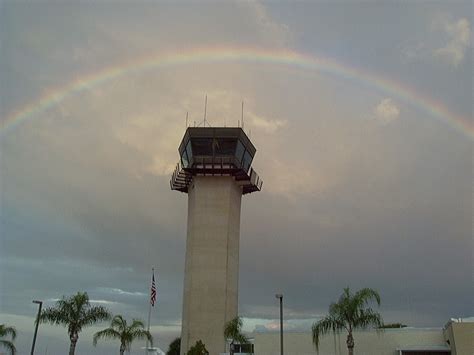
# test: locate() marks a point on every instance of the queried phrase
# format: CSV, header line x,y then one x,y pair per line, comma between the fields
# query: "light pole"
x,y
280,296
40,303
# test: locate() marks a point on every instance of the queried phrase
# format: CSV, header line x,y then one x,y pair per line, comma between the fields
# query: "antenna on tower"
x,y
242,116
205,111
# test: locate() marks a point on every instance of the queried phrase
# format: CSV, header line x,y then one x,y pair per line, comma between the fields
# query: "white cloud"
x,y
447,41
259,325
458,33
387,111
119,291
91,301
266,124
102,302
52,300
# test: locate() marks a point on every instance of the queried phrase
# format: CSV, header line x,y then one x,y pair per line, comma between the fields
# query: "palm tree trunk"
x,y
350,343
72,347
122,349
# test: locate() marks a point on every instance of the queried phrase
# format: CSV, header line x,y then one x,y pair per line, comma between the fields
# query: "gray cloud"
x,y
387,111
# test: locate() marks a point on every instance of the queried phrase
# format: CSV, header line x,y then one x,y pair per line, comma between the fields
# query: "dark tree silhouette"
x,y
175,347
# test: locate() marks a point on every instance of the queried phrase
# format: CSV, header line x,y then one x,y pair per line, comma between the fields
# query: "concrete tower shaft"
x,y
215,171
212,261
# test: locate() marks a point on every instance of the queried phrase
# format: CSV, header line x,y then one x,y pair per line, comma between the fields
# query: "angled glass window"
x,y
247,161
189,150
184,160
224,146
239,152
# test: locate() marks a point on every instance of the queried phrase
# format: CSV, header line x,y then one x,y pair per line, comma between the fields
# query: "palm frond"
x,y
324,326
137,324
141,334
119,323
232,327
54,315
8,345
242,339
368,317
365,295
94,315
341,314
233,331
108,333
7,331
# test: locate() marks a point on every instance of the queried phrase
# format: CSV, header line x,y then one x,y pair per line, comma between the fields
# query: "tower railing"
x,y
215,166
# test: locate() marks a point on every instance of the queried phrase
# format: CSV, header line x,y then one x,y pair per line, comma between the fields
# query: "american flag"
x,y
153,291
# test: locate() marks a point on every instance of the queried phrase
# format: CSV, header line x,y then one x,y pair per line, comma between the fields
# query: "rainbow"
x,y
249,55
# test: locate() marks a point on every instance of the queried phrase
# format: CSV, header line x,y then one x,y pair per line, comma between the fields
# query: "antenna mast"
x,y
205,111
186,119
242,116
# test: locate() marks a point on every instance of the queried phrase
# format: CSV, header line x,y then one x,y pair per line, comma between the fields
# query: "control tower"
x,y
215,171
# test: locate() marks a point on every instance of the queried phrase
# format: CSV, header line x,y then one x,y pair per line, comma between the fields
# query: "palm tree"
x,y
74,312
125,333
349,313
233,331
6,331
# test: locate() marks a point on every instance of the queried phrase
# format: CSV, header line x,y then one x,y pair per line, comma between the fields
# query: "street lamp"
x,y
40,304
280,296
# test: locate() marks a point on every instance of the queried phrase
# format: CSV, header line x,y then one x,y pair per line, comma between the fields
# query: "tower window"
x,y
247,161
202,146
189,150
184,160
239,152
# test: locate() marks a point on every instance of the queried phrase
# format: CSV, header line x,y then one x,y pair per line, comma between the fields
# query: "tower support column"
x,y
210,297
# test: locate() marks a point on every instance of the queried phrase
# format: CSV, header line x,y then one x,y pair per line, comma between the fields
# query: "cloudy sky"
x,y
361,113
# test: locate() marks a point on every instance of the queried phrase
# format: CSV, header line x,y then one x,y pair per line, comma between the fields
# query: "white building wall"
x,y
366,342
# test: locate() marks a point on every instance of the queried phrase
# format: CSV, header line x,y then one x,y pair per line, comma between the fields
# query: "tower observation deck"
x,y
220,151
215,171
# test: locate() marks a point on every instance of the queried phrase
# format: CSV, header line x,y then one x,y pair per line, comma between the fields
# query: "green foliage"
x,y
175,347
349,313
74,312
6,331
120,330
233,331
198,349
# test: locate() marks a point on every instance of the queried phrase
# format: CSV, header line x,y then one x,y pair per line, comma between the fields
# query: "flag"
x,y
153,291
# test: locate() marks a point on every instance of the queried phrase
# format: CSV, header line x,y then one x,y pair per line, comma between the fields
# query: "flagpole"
x,y
149,312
